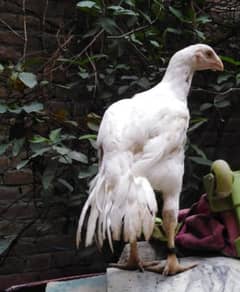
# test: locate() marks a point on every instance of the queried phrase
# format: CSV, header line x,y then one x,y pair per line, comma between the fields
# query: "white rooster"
x,y
141,149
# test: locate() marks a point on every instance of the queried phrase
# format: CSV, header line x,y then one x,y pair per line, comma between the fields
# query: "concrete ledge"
x,y
211,275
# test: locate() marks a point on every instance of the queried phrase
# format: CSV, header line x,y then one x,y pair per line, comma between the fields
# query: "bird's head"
x,y
202,57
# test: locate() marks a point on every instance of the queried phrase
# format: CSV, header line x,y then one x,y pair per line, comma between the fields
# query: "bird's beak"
x,y
217,65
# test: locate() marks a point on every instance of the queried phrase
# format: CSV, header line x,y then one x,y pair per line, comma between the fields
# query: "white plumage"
x,y
141,149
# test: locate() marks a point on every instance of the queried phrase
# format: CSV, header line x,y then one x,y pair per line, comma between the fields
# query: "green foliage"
x,y
123,45
54,155
123,48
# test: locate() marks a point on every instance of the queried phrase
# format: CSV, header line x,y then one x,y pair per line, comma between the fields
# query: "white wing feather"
x,y
134,140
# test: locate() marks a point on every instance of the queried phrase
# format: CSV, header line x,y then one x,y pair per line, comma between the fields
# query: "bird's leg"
x,y
134,262
172,265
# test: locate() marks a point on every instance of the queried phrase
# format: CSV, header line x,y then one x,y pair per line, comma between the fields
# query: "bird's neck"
x,y
179,78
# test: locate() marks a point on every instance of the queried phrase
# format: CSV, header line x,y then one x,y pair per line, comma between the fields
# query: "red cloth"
x,y
204,230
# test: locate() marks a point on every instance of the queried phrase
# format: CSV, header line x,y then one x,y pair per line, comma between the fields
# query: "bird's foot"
x,y
136,265
172,267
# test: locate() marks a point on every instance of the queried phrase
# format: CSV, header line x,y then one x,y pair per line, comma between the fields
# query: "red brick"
x,y
9,53
25,246
63,259
8,193
18,177
9,38
3,92
19,211
38,262
11,264
16,160
7,281
56,242
16,21
4,163
26,189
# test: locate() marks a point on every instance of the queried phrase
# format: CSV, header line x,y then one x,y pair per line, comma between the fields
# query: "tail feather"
x,y
118,202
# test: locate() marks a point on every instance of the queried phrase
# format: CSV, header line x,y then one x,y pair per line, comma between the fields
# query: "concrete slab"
x,y
211,275
90,284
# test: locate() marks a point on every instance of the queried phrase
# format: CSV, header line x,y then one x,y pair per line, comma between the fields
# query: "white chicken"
x,y
141,149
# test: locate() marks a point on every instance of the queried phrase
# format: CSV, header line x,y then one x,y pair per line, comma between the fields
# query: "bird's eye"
x,y
209,54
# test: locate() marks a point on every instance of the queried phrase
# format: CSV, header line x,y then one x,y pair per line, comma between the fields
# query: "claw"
x,y
128,266
138,265
172,266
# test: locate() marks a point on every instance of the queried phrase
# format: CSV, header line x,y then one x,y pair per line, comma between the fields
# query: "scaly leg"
x,y
134,262
172,266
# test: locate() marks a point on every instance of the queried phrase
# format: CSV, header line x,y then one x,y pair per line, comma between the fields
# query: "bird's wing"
x,y
149,130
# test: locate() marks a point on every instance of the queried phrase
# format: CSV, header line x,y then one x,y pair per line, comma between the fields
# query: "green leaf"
x,y
203,19
130,2
147,17
93,126
155,44
224,77
39,139
238,79
65,160
144,83
66,184
78,156
172,30
196,125
3,108
33,107
5,242
134,39
3,148
1,68
230,60
177,13
40,152
122,89
200,160
88,136
14,109
200,34
205,106
49,174
54,135
28,79
88,172
108,24
119,10
22,164
17,146
83,75
222,103
61,150
89,6
198,151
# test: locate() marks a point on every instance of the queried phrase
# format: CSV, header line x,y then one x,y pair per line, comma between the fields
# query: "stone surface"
x,y
90,284
211,275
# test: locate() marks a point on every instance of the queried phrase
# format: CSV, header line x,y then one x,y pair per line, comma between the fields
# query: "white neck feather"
x,y
179,76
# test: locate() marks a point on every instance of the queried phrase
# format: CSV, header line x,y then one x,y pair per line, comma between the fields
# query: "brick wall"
x,y
41,248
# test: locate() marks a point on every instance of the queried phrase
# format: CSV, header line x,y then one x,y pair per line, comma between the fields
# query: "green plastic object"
x,y
230,202
216,203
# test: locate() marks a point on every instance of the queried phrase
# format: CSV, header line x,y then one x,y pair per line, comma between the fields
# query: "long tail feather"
x,y
118,202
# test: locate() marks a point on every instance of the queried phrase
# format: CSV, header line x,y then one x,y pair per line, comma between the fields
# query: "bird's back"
x,y
131,124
